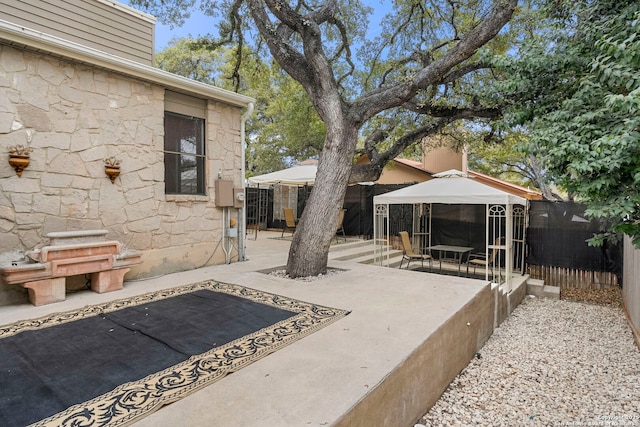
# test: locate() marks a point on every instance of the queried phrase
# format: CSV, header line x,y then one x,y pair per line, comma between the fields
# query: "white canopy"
x,y
452,188
294,176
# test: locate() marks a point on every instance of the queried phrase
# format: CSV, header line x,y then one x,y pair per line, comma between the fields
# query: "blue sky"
x,y
197,24
200,24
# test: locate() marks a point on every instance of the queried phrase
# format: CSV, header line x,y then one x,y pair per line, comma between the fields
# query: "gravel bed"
x,y
551,363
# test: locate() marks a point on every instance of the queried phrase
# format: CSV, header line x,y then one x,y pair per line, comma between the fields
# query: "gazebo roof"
x,y
450,187
294,176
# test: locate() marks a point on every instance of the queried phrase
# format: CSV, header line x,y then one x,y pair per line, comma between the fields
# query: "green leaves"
x,y
187,58
578,94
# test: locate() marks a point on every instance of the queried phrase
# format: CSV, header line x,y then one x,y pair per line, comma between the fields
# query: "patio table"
x,y
457,251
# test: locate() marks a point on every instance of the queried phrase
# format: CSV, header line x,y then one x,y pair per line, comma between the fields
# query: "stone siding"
x,y
74,116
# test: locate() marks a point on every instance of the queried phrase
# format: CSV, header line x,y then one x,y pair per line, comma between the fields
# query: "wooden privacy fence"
x,y
572,278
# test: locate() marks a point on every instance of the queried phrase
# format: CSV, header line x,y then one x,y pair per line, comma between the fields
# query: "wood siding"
x,y
106,26
631,286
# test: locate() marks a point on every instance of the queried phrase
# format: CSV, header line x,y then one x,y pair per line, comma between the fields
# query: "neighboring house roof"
x,y
411,163
304,174
505,186
399,171
22,37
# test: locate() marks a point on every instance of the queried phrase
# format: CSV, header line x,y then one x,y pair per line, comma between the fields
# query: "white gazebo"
x,y
505,213
285,185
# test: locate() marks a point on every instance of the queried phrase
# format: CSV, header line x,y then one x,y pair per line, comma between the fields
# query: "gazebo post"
x,y
508,262
430,229
486,239
381,242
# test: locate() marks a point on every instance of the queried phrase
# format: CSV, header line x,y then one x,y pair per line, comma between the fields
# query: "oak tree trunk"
x,y
308,255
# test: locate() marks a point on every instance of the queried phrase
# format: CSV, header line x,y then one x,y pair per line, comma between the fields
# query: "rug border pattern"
x,y
129,402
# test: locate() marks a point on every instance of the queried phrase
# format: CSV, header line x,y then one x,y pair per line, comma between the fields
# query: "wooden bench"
x,y
44,271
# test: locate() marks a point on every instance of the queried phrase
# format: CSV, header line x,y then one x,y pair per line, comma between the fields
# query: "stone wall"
x,y
74,116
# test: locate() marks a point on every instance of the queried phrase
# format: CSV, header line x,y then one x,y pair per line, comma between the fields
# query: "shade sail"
x,y
451,189
296,175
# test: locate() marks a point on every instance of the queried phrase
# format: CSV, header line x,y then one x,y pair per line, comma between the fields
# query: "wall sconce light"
x,y
112,168
19,157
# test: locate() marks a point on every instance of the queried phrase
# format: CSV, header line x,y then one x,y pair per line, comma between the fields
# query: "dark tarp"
x,y
358,220
557,237
459,225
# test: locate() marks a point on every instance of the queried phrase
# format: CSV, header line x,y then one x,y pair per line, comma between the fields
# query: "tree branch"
x,y
375,102
372,171
344,47
292,61
464,70
473,111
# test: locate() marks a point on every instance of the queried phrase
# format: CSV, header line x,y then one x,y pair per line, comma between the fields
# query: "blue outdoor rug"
x,y
110,364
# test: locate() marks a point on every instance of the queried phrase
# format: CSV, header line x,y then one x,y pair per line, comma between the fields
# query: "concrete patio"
x,y
408,335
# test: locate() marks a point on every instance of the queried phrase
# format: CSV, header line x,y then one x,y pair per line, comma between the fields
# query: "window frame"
x,y
175,182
